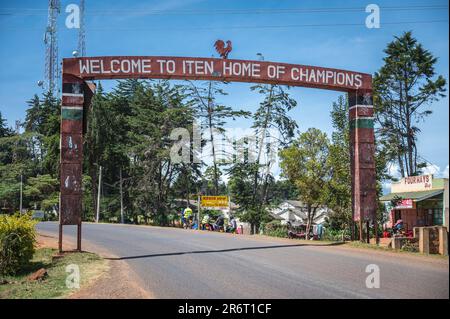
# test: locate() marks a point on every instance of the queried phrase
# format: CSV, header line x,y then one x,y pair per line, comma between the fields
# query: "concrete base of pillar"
x,y
432,239
443,241
396,243
424,240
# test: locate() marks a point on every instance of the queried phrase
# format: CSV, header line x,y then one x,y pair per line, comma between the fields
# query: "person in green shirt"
x,y
187,214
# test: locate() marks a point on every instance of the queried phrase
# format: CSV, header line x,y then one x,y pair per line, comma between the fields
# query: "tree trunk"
x,y
409,150
409,131
211,135
400,164
93,174
311,215
308,223
264,128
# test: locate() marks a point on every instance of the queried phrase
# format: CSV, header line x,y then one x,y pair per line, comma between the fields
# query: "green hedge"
x,y
17,239
336,235
275,229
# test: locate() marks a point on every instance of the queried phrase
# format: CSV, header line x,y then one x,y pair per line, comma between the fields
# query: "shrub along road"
x,y
177,263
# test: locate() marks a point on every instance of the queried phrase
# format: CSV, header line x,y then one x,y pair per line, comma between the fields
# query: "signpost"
x,y
214,202
77,94
405,204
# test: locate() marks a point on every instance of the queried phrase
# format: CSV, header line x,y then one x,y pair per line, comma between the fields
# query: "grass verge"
x,y
357,244
91,266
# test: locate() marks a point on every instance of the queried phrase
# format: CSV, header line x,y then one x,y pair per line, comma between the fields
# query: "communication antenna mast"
x,y
81,32
52,69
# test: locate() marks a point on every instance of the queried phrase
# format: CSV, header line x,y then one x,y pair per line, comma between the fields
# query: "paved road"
x,y
176,263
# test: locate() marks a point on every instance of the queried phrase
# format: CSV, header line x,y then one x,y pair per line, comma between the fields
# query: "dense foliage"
x,y
17,239
404,87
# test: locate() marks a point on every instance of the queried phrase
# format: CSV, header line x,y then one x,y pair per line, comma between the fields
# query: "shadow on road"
x,y
219,251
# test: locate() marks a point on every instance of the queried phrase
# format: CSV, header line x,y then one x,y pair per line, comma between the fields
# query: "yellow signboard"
x,y
214,201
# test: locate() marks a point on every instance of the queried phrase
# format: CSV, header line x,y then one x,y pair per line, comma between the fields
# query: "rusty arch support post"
x,y
362,157
76,97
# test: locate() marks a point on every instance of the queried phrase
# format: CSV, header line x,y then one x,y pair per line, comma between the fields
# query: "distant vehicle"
x,y
38,214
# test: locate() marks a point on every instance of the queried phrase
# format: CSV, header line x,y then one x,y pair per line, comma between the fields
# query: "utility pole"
x,y
98,195
21,188
121,198
198,211
15,159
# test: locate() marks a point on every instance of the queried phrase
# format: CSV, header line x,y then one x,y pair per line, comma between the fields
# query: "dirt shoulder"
x,y
118,282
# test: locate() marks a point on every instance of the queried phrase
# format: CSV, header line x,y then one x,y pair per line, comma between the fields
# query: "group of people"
x,y
187,220
398,229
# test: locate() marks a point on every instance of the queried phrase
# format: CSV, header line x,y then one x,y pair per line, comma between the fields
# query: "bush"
x,y
17,239
275,229
410,245
336,235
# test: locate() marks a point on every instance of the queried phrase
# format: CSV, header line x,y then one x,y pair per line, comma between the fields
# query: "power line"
x,y
267,26
242,27
427,161
32,11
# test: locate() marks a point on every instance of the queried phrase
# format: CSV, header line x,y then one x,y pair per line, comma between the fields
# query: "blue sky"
x,y
189,28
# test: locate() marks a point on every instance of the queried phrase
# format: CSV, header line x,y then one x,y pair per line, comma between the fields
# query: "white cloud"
x,y
432,169
436,171
445,172
394,171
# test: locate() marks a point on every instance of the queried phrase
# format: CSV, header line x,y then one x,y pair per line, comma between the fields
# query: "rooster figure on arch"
x,y
222,49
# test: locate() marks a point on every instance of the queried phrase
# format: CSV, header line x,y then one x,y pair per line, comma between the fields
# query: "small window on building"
x,y
437,217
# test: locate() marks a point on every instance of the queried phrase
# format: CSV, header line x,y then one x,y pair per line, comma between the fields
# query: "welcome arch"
x,y
77,94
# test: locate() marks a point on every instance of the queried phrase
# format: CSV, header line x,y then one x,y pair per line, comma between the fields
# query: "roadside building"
x,y
296,213
418,201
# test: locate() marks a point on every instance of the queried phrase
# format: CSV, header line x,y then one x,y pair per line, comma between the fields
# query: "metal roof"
x,y
416,196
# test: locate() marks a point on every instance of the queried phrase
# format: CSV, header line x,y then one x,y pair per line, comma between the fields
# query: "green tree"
x,y
241,187
106,146
404,88
5,131
42,192
273,127
213,116
340,183
305,164
157,109
42,123
280,191
271,114
16,161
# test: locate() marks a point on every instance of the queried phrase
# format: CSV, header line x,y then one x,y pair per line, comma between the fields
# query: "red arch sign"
x,y
77,93
185,68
